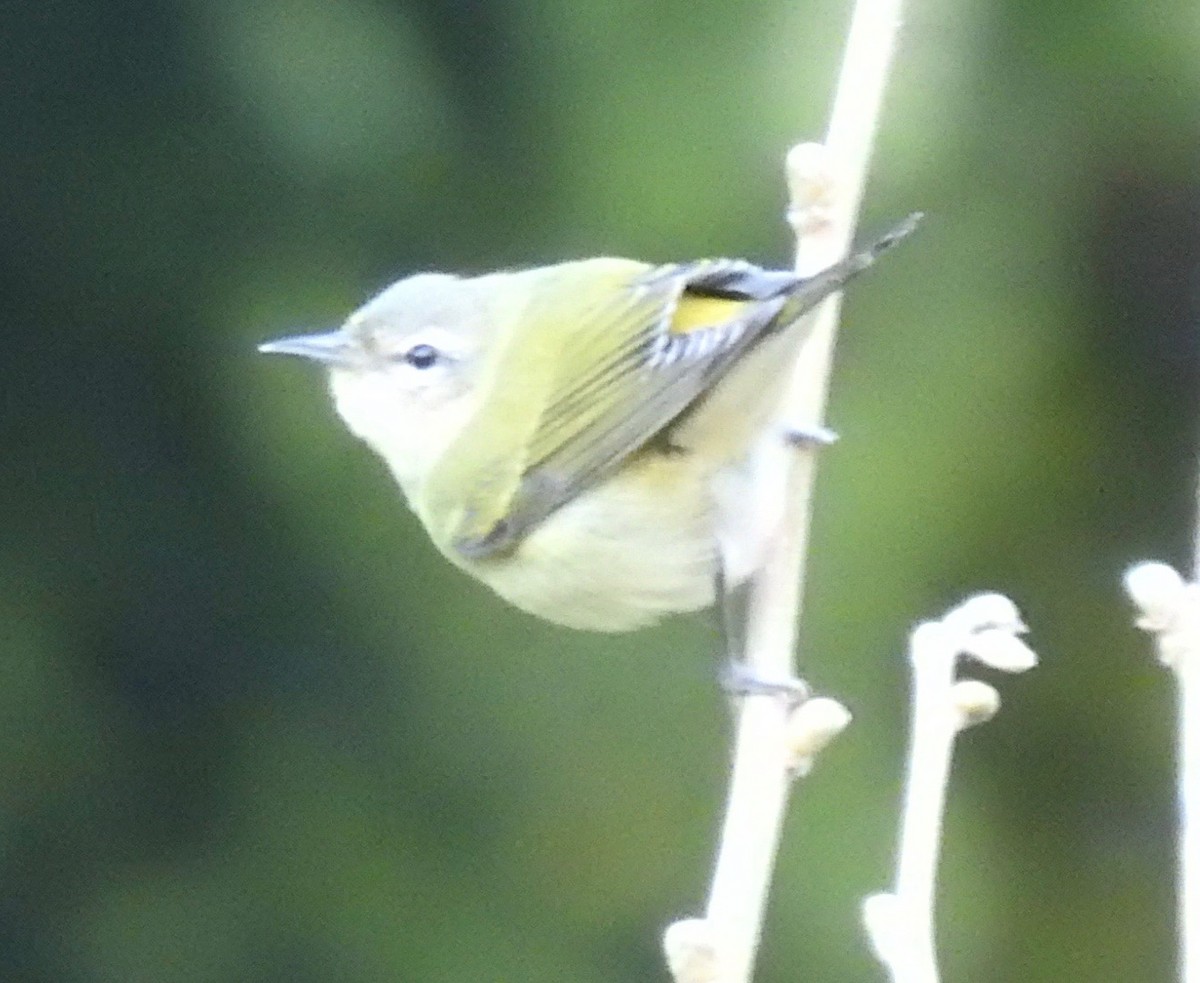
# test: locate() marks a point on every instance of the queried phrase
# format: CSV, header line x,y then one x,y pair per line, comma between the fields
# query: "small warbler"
x,y
594,440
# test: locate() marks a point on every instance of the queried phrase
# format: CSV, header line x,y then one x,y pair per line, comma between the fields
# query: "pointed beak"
x,y
329,347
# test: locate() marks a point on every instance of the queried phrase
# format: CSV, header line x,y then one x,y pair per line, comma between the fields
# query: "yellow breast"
x,y
643,544
632,549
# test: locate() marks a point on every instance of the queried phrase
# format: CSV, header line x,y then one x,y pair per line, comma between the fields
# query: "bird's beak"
x,y
329,347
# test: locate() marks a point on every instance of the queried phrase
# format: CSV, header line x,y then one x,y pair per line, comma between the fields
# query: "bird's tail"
x,y
811,291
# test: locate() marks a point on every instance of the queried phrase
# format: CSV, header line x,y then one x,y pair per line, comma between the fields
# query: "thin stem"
x,y
933,729
1169,609
856,110
985,628
1187,673
1196,538
760,780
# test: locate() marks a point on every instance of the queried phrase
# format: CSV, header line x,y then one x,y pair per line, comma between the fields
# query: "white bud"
x,y
1158,591
811,726
984,611
975,702
810,174
1000,649
691,951
812,188
884,920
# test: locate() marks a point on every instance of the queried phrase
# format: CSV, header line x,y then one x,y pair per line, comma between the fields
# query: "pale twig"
x,y
825,187
985,628
1169,608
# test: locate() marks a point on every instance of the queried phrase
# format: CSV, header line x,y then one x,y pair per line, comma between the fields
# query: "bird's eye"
x,y
422,356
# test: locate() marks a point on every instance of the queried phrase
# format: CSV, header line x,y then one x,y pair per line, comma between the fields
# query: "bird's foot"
x,y
740,680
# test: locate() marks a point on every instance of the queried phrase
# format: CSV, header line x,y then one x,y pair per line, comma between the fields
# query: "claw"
x,y
808,436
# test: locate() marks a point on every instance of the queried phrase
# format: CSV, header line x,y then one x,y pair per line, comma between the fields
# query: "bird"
x,y
598,440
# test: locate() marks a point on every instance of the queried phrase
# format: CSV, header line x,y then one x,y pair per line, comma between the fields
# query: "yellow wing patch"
x,y
694,313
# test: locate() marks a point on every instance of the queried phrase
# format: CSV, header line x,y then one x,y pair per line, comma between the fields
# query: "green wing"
x,y
622,350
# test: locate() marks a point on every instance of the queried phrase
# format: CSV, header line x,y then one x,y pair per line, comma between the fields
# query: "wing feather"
x,y
623,350
629,362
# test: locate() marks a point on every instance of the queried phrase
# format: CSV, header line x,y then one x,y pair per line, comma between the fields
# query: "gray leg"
x,y
736,677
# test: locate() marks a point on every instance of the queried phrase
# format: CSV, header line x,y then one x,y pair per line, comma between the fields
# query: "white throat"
x,y
409,433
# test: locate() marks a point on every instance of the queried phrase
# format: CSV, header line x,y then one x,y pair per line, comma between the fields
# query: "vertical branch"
x,y
825,186
1187,674
1169,608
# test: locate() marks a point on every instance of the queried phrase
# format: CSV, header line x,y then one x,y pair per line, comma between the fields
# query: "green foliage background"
x,y
253,729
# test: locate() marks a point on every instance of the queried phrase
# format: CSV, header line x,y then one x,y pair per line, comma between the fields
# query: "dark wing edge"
x,y
733,279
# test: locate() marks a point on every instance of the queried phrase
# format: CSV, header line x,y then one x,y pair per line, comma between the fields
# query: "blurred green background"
x,y
253,729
